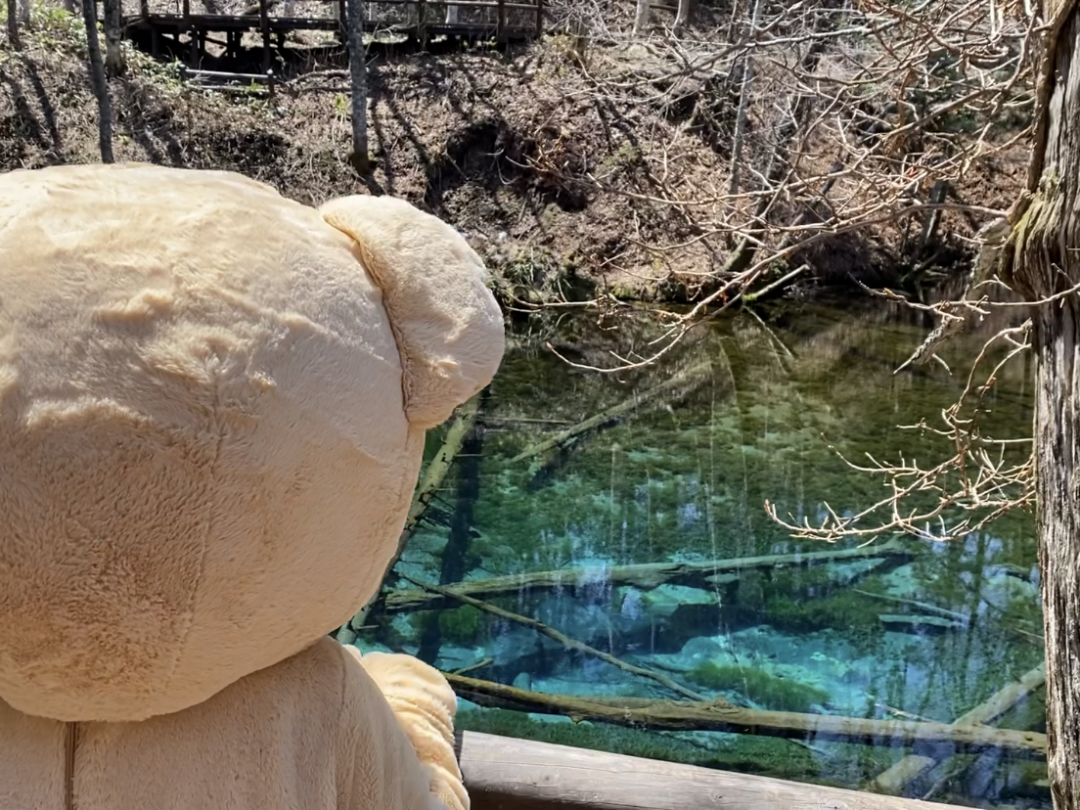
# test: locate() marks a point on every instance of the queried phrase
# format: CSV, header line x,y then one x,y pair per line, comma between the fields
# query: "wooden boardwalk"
x,y
417,22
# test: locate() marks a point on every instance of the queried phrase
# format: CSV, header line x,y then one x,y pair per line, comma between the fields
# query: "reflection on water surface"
x,y
645,538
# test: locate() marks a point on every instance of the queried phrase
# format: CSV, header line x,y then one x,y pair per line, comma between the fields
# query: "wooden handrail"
x,y
495,4
503,773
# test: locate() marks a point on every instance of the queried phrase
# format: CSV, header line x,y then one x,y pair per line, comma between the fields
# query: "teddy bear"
x,y
213,406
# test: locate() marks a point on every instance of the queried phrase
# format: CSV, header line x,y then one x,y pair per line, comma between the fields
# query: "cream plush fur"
x,y
212,412
314,732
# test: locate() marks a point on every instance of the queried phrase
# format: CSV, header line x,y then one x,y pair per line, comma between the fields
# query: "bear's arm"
x,y
398,721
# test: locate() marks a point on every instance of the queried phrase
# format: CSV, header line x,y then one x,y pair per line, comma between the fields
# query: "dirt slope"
x,y
563,187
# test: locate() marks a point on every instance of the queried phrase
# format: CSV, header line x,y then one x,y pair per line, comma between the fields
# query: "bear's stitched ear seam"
x,y
447,324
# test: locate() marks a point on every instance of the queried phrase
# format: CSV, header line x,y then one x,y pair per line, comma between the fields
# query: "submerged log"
x,y
906,623
907,770
565,640
452,563
502,773
432,479
694,374
644,575
438,469
922,607
669,715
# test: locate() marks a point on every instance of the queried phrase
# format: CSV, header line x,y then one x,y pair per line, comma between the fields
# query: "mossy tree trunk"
x,y
1046,261
98,81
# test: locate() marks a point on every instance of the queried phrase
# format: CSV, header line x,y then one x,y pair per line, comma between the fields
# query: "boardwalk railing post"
x,y
144,8
421,23
500,28
264,24
539,18
193,35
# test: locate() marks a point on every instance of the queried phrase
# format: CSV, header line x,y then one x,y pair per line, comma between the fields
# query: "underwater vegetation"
x,y
845,610
763,688
460,625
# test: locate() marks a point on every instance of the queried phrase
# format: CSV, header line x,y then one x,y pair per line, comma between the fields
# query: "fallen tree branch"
x,y
896,778
483,662
643,575
675,715
925,607
699,370
562,638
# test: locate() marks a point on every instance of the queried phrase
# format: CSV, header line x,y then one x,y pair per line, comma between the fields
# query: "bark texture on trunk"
x,y
13,26
99,82
1045,261
358,73
682,16
641,18
114,56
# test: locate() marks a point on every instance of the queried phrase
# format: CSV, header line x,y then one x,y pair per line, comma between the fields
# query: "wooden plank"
x,y
502,773
225,22
256,77
493,4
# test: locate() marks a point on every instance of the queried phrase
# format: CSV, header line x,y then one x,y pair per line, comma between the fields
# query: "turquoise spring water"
x,y
749,412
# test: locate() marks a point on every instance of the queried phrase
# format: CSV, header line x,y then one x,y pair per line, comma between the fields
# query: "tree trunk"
x,y
97,79
682,16
114,58
13,25
358,73
744,103
1044,262
641,18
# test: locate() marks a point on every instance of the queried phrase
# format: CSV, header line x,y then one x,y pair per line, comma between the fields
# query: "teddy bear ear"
x,y
447,324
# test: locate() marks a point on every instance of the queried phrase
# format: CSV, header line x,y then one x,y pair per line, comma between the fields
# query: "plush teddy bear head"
x,y
212,412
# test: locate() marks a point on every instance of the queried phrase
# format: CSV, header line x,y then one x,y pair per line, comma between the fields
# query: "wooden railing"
x,y
500,8
198,26
502,773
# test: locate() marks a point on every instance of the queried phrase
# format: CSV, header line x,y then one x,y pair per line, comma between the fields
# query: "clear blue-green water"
x,y
684,476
